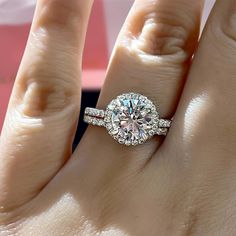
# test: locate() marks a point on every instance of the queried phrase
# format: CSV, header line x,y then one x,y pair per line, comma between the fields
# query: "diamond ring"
x,y
131,119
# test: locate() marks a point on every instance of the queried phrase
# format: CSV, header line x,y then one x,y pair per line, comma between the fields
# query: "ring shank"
x,y
96,117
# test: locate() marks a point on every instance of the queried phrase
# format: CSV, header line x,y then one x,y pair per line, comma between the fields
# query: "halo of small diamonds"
x,y
131,119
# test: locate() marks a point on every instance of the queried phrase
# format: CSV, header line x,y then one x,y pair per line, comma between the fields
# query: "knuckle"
x,y
223,34
158,39
155,40
44,92
42,98
158,50
63,14
48,80
228,26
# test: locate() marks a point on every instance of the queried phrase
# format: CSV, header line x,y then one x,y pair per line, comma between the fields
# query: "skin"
x,y
181,185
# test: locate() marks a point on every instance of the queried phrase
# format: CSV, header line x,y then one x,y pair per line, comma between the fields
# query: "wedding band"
x,y
131,119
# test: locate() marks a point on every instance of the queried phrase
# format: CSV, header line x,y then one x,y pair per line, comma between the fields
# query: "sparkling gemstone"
x,y
131,118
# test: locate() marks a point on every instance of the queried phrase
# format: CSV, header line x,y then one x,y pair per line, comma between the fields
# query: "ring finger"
x,y
151,57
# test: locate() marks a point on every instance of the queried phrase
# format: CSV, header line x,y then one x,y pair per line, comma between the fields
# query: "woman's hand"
x,y
182,185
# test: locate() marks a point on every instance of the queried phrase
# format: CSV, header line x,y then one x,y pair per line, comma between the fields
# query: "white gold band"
x,y
130,118
96,117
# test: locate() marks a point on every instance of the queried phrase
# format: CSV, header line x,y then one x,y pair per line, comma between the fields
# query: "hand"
x,y
183,184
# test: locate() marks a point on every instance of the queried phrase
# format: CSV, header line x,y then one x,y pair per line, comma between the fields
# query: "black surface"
x,y
89,99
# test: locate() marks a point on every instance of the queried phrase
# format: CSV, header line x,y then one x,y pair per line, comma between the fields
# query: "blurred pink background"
x,y
15,19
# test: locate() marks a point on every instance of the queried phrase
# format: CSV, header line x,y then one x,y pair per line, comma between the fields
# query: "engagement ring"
x,y
131,119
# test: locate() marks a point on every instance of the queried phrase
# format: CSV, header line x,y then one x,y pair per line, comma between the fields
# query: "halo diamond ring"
x,y
131,119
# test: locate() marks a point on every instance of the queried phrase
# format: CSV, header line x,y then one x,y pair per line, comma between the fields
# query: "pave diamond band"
x,y
94,120
131,119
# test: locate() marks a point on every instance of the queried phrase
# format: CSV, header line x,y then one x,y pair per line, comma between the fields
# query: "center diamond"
x,y
131,118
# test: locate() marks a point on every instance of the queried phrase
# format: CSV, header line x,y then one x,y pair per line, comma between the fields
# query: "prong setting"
x,y
131,119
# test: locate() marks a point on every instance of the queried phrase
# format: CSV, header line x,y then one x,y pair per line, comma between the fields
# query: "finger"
x,y
151,57
44,107
204,126
105,177
207,110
